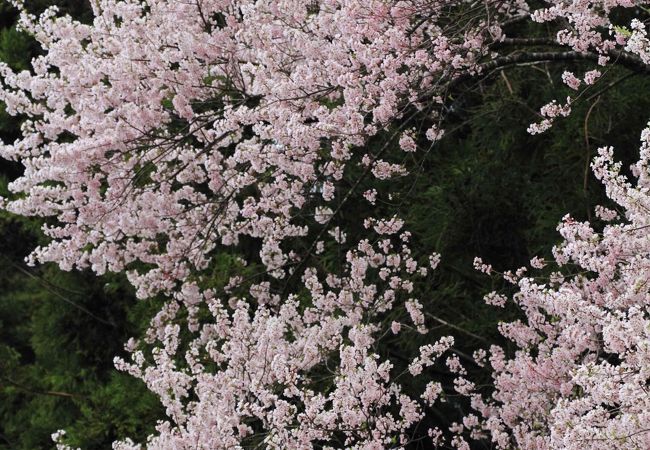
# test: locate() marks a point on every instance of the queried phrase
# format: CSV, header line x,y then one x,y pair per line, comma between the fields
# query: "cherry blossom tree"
x,y
166,136
579,377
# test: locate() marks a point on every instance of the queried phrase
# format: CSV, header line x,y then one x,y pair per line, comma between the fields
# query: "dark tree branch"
x,y
35,392
619,57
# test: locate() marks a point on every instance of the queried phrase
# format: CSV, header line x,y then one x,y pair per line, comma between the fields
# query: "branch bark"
x,y
622,58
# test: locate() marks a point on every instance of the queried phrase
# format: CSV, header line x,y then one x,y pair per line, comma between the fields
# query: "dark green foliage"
x,y
59,333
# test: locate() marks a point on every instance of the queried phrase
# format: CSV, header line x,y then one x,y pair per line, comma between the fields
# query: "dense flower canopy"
x,y
165,135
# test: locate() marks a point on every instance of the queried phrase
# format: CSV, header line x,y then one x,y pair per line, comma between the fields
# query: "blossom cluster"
x,y
579,377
